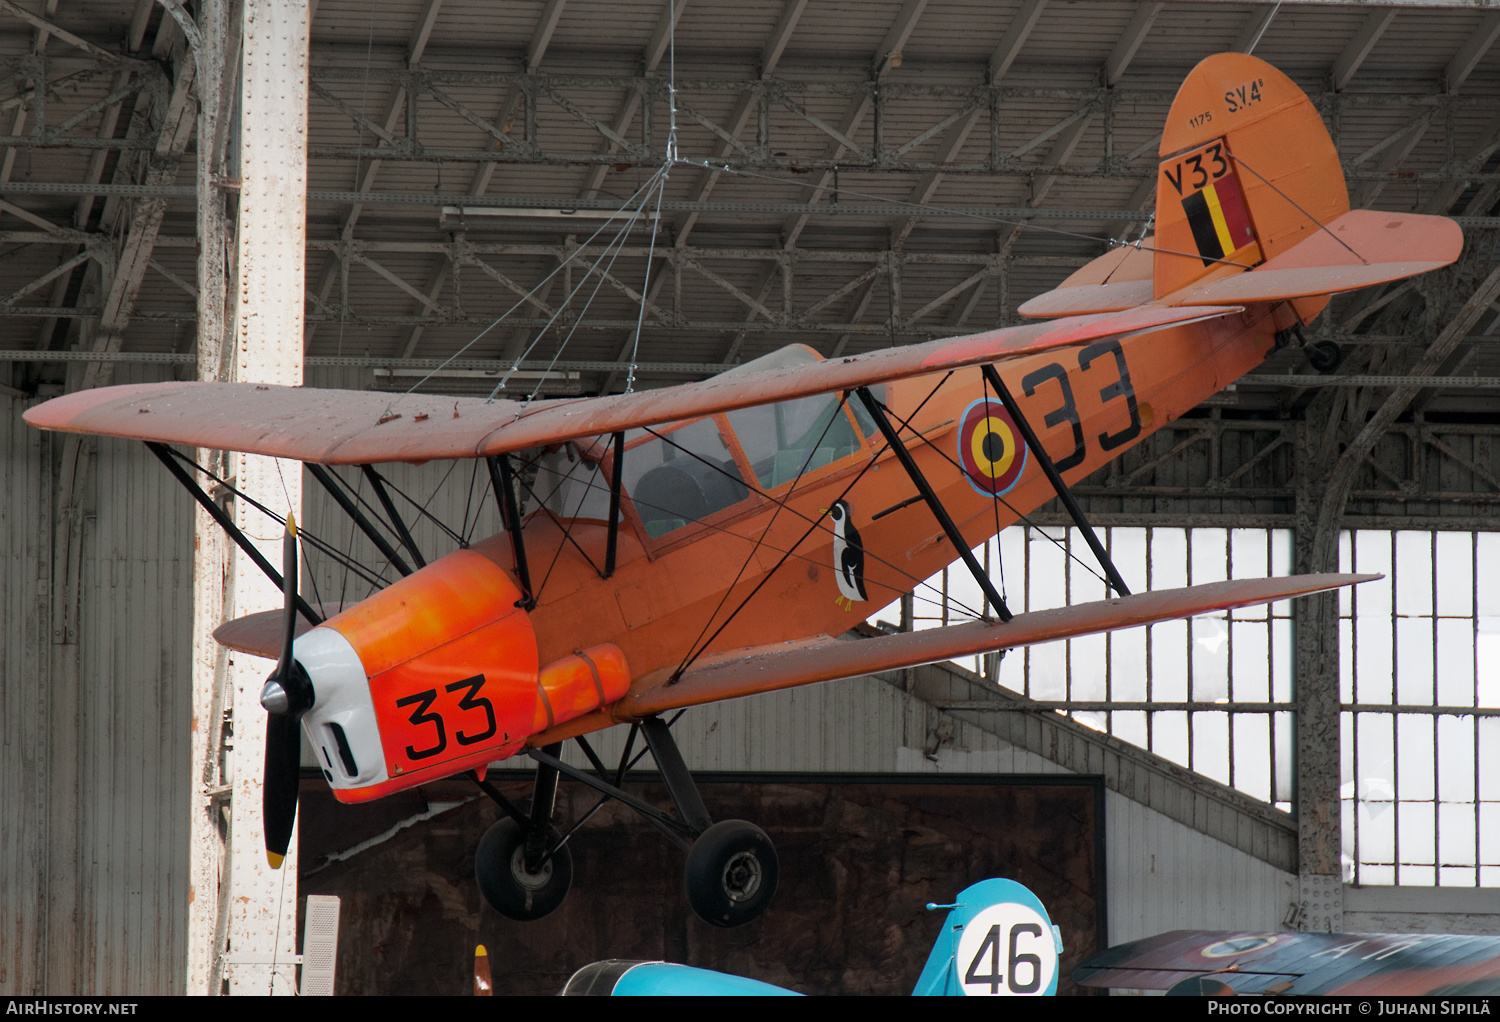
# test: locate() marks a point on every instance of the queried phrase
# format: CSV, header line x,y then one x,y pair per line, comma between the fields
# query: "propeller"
x,y
483,986
287,695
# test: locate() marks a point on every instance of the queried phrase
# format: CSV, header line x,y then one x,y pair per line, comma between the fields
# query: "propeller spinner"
x,y
287,695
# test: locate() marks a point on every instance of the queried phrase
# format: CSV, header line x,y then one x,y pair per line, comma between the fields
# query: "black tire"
x,y
1324,356
500,869
731,873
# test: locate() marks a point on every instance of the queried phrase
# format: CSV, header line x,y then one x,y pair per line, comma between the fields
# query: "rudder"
x,y
1247,171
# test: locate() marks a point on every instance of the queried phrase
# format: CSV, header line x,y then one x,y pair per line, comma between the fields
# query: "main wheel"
x,y
731,873
1324,356
506,883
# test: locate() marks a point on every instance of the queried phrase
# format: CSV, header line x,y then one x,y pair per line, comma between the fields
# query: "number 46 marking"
x,y
990,948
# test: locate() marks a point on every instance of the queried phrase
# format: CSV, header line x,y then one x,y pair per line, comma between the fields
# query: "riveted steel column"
x,y
268,341
1320,895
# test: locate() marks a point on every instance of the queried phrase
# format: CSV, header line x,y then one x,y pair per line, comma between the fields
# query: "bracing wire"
x,y
308,538
727,531
780,506
1020,515
622,238
528,296
644,193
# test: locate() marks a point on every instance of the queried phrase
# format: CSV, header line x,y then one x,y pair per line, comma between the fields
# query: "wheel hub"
x,y
742,876
532,881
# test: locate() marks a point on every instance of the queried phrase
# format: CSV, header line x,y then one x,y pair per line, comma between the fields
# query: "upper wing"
x,y
1301,963
744,672
338,427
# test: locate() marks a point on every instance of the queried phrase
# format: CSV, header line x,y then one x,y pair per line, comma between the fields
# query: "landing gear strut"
x,y
732,867
524,867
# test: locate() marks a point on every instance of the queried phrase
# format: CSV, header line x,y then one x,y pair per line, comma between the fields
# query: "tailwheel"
x,y
511,886
731,873
1324,356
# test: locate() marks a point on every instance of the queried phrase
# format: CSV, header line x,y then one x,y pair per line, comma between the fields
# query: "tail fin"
x,y
997,940
1250,181
1247,172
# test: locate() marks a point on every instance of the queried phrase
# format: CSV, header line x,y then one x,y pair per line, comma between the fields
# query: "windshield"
x,y
790,438
682,477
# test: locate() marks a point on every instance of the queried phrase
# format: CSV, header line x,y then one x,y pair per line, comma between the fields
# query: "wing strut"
x,y
614,505
163,452
326,478
1055,478
378,485
939,512
505,496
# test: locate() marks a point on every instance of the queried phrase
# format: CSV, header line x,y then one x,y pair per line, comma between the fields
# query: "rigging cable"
x,y
603,276
528,296
569,297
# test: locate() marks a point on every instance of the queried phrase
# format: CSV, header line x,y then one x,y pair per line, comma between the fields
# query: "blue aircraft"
x,y
997,941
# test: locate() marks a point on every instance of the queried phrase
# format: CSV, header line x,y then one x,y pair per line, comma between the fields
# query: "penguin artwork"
x,y
848,556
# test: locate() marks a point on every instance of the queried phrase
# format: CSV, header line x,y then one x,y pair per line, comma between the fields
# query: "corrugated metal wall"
x,y
1164,876
93,843
25,650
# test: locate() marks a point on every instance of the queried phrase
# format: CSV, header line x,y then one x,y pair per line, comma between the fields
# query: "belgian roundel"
x,y
989,448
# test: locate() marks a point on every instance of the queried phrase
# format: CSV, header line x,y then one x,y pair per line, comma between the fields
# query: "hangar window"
x,y
1420,698
1420,771
1174,686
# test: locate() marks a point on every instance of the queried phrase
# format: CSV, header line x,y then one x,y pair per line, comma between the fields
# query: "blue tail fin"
x,y
996,941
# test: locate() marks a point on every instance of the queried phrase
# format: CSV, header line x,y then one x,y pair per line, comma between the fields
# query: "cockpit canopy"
x,y
676,475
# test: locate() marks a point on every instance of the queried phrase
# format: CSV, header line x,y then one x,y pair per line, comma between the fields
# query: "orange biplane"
x,y
707,541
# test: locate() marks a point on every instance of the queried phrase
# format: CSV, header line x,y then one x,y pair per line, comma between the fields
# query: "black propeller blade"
x,y
287,695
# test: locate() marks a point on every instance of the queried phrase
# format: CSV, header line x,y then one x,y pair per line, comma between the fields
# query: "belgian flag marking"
x,y
1218,219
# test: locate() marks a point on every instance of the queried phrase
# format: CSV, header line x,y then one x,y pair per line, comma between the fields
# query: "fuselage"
x,y
483,678
662,596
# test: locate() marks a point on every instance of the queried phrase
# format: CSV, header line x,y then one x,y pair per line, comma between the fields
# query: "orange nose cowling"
x,y
580,683
452,666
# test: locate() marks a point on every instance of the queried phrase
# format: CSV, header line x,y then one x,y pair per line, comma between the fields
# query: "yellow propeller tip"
x,y
274,859
291,524
480,952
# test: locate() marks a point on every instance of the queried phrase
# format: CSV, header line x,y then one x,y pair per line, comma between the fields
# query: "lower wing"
x,y
756,669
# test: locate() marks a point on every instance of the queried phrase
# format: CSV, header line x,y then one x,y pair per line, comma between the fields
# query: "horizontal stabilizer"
x,y
768,668
347,427
1362,248
260,634
1082,299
